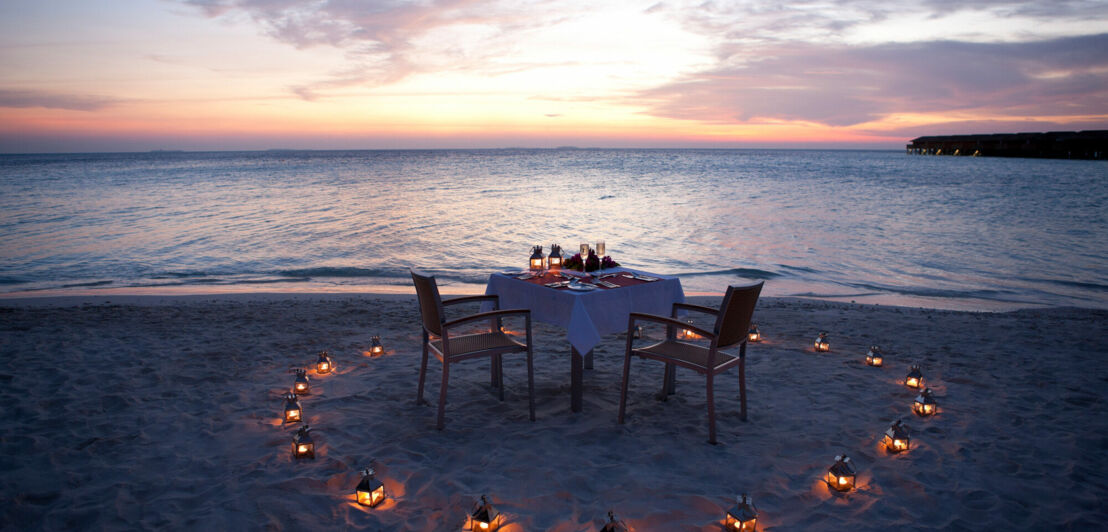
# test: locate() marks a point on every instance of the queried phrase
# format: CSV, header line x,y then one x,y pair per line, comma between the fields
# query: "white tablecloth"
x,y
588,315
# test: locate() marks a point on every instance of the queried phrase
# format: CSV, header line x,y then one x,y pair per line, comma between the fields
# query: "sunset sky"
x,y
134,75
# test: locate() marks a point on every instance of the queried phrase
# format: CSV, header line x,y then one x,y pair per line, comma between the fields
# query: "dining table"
x,y
587,305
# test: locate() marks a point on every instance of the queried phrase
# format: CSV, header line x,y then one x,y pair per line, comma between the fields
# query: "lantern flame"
x,y
376,348
822,344
754,335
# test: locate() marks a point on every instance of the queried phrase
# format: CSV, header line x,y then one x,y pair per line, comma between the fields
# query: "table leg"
x,y
669,383
588,359
576,374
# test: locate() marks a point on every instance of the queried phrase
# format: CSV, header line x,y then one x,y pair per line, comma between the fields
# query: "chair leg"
x,y
422,371
442,395
576,379
530,382
669,383
499,361
623,382
494,380
711,410
742,381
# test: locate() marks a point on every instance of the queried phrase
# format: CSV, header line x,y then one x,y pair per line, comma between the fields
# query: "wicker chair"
x,y
730,330
450,348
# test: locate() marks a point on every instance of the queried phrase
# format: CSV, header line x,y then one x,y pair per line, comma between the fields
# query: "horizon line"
x,y
506,148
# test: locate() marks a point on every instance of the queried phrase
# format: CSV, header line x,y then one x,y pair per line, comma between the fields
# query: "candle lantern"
x,y
744,516
554,261
874,357
375,347
302,444
293,411
640,333
484,518
754,335
324,365
897,438
301,386
841,475
925,404
914,378
822,343
370,490
688,334
615,525
537,261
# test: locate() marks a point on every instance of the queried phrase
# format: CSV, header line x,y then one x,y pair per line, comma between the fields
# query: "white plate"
x,y
581,287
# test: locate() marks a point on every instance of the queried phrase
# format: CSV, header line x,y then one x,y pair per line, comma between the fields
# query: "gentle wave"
x,y
180,275
216,281
88,284
1073,284
749,273
473,275
926,291
350,271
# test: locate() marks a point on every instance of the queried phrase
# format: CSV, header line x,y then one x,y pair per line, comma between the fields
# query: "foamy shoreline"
x,y
319,289
138,412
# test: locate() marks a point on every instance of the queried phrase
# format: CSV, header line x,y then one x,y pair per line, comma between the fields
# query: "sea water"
x,y
870,226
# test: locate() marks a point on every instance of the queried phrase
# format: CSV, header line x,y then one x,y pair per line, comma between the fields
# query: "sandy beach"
x,y
148,412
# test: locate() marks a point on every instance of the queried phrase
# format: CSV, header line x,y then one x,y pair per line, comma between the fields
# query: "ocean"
x,y
878,227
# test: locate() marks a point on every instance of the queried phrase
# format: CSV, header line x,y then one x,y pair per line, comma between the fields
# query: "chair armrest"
x,y
488,315
698,308
466,299
636,316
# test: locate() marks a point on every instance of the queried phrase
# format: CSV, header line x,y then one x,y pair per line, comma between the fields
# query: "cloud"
x,y
380,38
803,60
74,102
844,85
211,8
817,21
984,127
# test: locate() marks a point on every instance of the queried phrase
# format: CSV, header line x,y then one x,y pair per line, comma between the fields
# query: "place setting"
x,y
588,270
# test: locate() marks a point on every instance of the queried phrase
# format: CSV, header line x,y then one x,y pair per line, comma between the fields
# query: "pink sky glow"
x,y
138,75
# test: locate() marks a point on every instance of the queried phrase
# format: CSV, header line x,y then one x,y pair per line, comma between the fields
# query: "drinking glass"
x,y
600,254
584,250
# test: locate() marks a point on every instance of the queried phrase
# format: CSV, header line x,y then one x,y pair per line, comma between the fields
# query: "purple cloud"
x,y
843,86
75,102
774,60
376,35
979,127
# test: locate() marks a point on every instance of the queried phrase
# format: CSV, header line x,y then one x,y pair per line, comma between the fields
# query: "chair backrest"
x,y
430,303
735,312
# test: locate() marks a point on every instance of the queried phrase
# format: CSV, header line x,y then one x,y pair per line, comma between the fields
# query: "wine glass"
x,y
600,255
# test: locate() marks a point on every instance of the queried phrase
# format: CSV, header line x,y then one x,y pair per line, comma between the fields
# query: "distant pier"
x,y
1049,145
